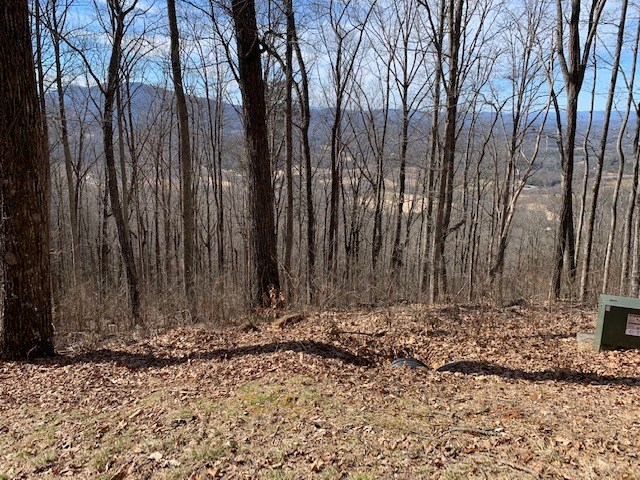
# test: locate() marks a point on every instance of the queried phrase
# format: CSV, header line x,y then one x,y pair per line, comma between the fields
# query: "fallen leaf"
x,y
157,456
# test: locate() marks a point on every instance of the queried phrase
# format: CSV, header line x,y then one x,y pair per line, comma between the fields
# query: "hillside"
x,y
508,394
84,104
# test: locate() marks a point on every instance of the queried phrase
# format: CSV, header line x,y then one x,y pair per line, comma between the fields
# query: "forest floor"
x,y
317,398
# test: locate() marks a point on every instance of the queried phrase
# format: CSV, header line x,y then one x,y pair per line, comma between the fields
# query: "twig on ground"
x,y
476,431
520,468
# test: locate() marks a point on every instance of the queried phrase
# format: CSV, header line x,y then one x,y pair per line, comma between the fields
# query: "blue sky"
x,y
84,20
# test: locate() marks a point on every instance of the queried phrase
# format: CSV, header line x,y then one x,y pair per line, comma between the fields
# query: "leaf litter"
x,y
508,394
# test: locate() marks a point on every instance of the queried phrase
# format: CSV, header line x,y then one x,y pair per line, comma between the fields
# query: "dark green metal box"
x,y
618,324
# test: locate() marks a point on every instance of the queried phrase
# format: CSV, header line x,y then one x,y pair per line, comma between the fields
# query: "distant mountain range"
x,y
85,103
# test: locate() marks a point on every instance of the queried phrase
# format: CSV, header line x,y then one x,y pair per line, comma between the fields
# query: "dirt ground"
x,y
508,393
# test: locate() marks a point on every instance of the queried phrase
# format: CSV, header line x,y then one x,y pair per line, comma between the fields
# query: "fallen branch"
x,y
520,468
368,334
476,431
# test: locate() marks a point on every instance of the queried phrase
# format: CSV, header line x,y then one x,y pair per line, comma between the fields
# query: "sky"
x,y
87,18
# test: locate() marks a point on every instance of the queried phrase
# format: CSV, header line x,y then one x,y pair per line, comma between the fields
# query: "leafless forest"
x,y
229,228
417,150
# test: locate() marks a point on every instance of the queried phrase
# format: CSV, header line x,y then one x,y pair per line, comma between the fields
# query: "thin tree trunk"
x,y
573,70
188,220
433,161
445,192
587,166
631,213
220,192
334,201
105,274
64,134
588,246
635,268
110,92
305,113
397,252
288,240
625,283
122,157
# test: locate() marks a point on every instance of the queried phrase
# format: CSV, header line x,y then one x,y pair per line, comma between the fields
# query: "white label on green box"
x,y
633,325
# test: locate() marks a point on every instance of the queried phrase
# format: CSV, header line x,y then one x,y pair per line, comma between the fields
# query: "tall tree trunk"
x,y
397,252
627,236
288,240
122,160
573,69
565,237
336,180
185,162
606,274
220,192
379,187
445,192
625,284
586,146
64,134
588,246
26,328
104,247
635,267
264,256
433,160
305,113
342,72
110,92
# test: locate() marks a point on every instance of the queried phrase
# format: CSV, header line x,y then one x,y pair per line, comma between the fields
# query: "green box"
x,y
618,323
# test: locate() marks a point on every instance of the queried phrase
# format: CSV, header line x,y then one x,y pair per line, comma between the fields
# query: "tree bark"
x,y
113,79
433,158
573,70
25,325
64,133
264,268
288,241
445,191
588,246
627,236
185,163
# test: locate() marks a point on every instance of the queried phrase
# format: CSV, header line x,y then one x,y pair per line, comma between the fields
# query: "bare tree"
x,y
118,13
434,156
587,147
26,328
185,161
348,35
262,232
573,65
288,240
524,73
56,24
302,89
588,245
627,235
467,27
372,142
406,61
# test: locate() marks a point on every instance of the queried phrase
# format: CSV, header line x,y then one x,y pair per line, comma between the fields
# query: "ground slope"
x,y
509,394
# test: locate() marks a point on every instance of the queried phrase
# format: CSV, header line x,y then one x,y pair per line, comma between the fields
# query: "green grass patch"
x,y
207,452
